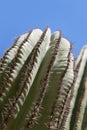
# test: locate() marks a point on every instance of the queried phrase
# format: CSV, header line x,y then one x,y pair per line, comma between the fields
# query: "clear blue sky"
x,y
19,16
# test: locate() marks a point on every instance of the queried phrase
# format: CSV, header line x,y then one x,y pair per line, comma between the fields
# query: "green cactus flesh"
x,y
42,86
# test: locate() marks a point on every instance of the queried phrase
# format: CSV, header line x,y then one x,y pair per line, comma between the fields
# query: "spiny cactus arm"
x,y
39,51
36,87
11,71
50,56
12,52
13,68
40,81
79,100
58,69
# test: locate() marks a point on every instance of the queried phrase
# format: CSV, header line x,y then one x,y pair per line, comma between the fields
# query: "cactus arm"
x,y
36,87
32,68
80,92
12,51
44,84
24,50
17,63
9,87
12,70
59,66
41,85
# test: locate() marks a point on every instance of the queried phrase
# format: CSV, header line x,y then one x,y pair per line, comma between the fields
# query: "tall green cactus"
x,y
42,86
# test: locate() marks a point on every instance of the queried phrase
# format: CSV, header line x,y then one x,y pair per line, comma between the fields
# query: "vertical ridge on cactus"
x,y
42,86
80,90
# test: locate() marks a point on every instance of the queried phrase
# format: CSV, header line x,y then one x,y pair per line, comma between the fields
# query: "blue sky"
x,y
19,16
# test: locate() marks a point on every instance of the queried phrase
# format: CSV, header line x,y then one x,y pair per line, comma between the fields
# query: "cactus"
x,y
42,86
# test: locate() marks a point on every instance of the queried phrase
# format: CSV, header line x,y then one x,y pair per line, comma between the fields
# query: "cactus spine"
x,y
42,86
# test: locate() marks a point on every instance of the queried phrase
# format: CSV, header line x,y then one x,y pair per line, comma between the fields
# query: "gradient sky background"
x,y
19,16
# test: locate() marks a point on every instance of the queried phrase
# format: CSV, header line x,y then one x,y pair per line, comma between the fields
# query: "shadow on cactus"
x,y
42,86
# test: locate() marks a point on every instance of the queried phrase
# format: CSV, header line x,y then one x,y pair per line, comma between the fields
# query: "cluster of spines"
x,y
30,51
